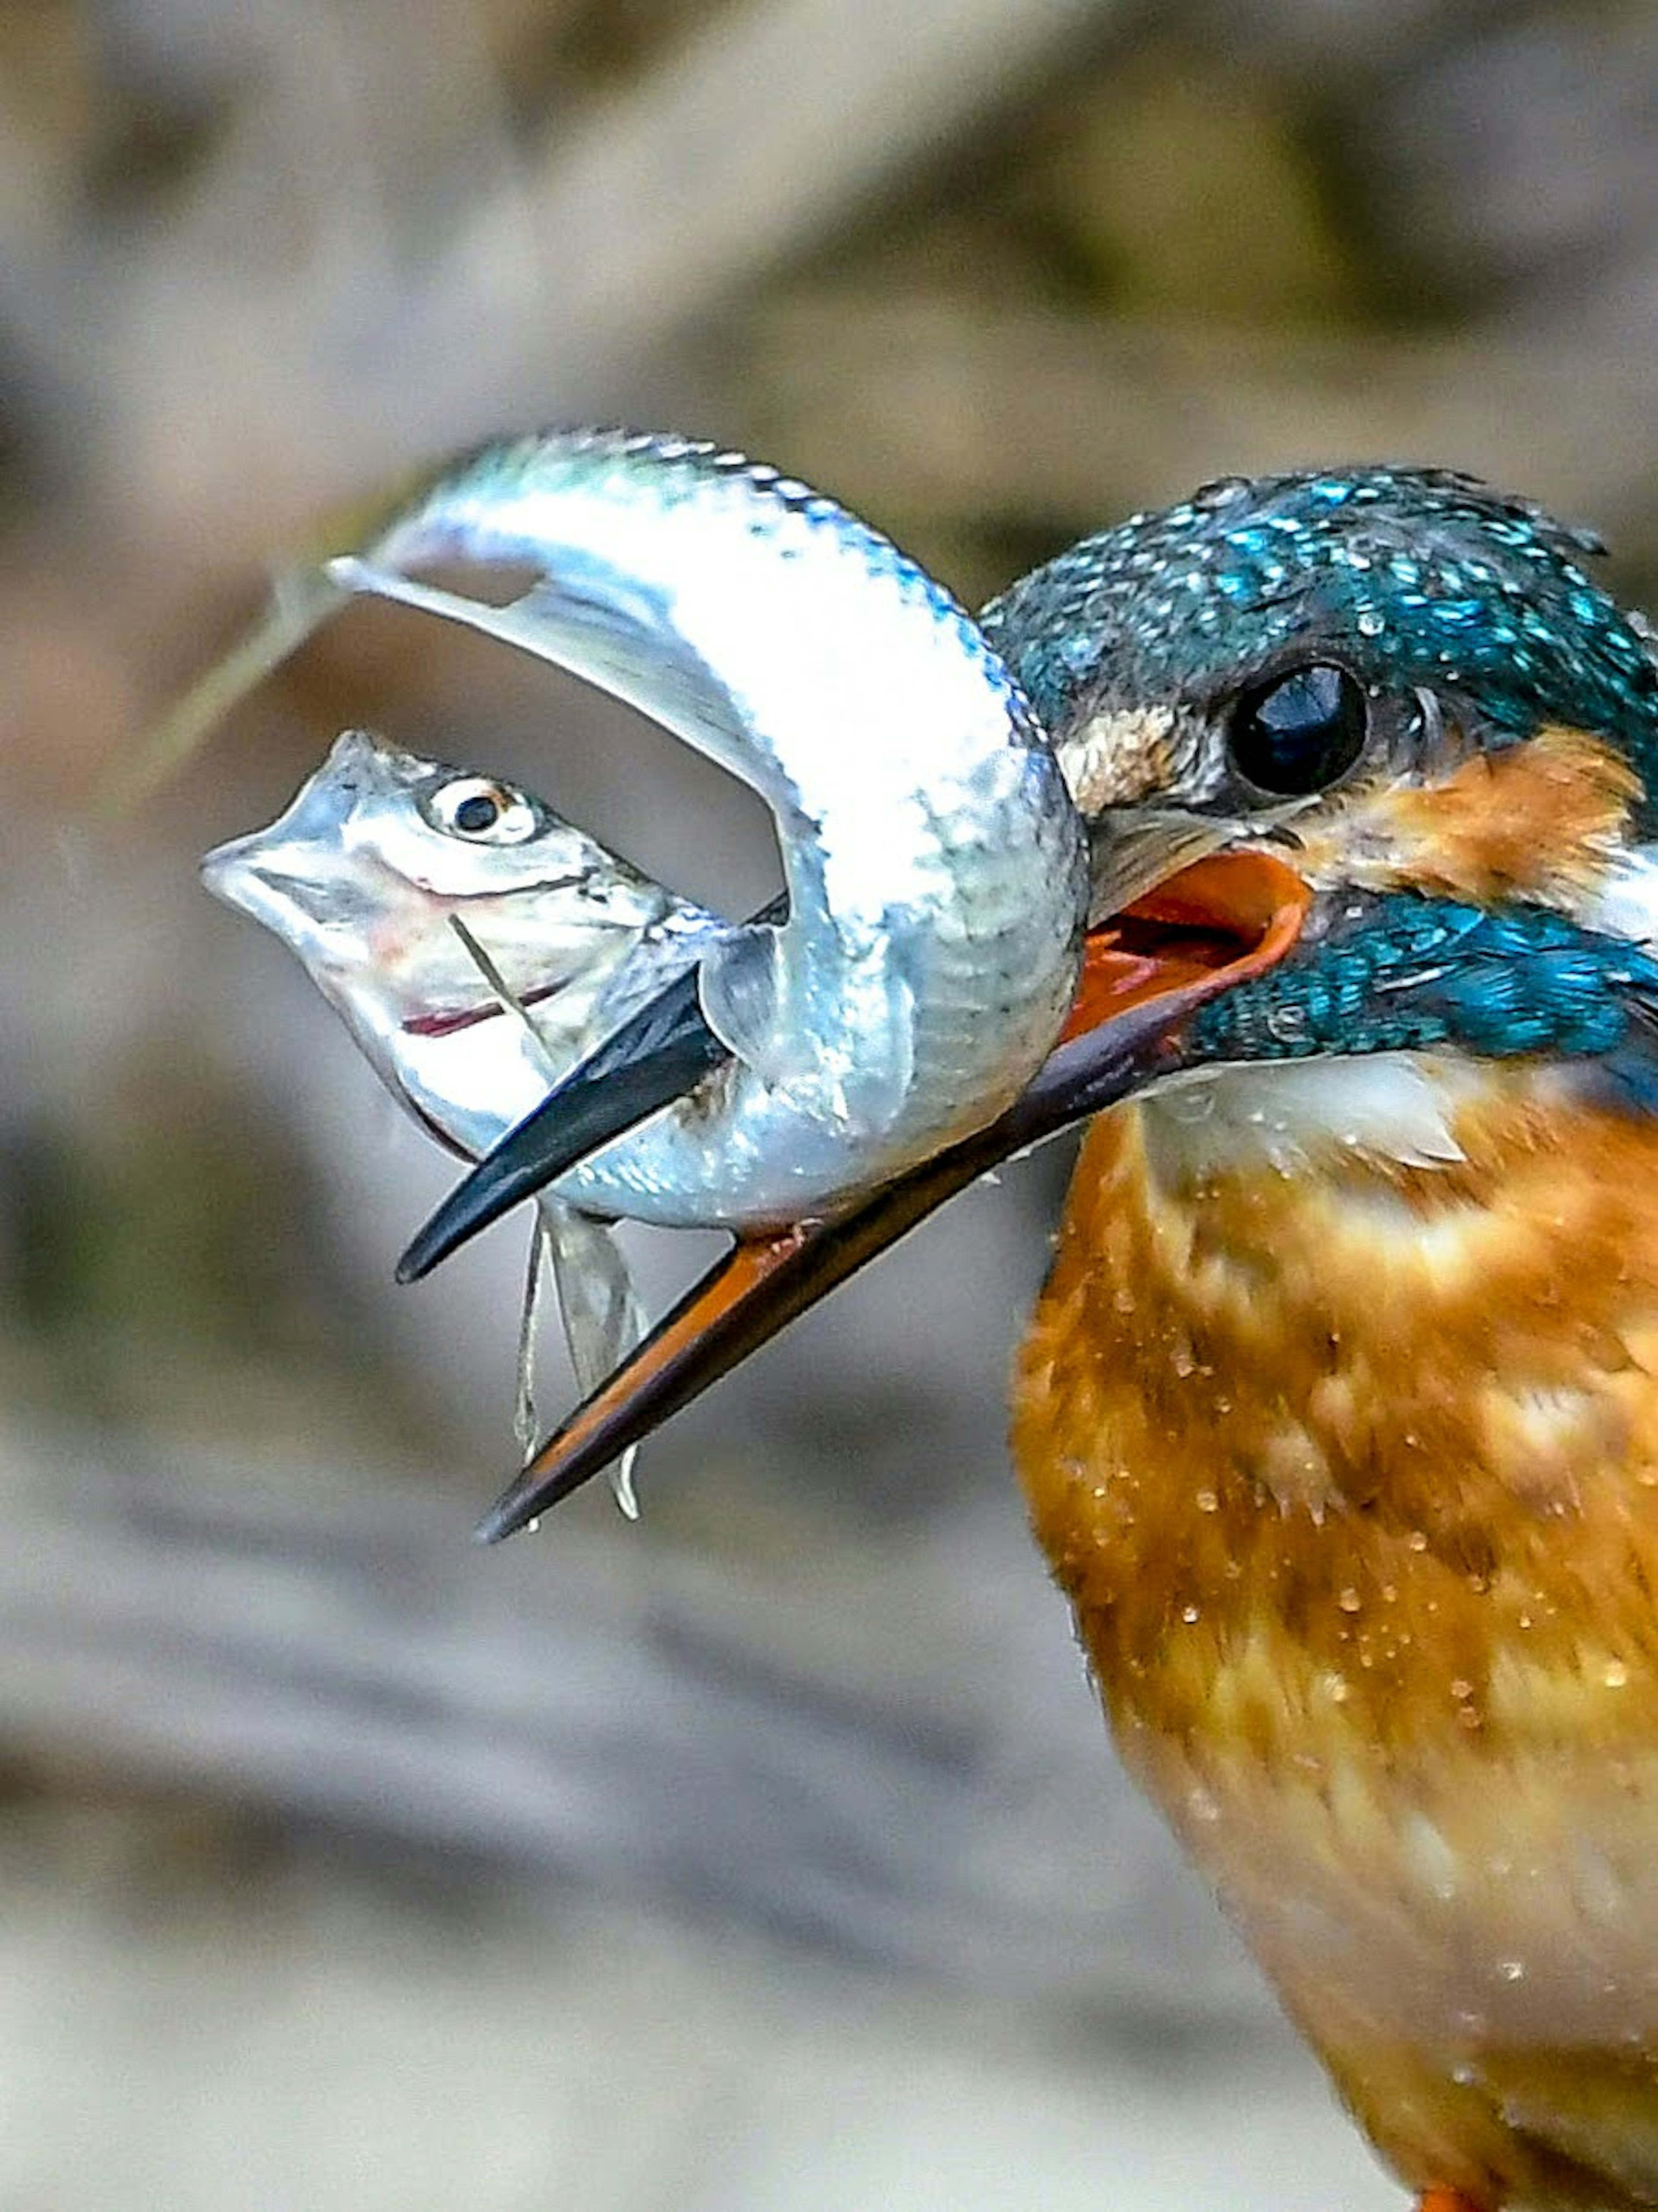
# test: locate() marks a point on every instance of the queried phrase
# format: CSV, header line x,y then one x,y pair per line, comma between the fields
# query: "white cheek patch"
x,y
1624,903
1114,759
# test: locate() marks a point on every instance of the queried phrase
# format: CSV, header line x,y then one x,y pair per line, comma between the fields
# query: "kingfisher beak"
x,y
1145,971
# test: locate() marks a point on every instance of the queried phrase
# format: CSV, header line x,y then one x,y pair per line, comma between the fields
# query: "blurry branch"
x,y
368,266
556,287
753,143
852,1762
1032,417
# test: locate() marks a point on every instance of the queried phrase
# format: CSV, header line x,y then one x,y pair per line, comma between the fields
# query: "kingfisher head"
x,y
1408,688
1366,757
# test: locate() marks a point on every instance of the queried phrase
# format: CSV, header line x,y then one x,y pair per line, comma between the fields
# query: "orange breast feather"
x,y
1350,1473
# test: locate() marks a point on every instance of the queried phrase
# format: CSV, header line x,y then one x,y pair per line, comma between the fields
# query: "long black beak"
x,y
655,1057
1214,925
652,1060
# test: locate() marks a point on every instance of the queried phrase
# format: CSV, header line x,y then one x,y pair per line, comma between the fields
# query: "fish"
x,y
936,870
477,945
938,874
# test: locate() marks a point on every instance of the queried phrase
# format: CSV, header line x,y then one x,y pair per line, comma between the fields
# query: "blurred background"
x,y
769,1857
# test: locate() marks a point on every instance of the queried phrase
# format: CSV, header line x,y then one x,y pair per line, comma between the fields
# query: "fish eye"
x,y
1300,732
482,811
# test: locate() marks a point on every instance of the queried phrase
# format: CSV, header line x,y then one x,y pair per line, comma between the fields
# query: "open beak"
x,y
1205,929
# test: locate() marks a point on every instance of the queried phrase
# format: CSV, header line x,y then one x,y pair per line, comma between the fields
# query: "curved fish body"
x,y
935,864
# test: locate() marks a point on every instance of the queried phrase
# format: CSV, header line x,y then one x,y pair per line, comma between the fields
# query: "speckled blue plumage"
x,y
1408,973
1412,577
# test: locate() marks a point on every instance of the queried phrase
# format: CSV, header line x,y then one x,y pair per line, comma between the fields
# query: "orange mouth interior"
x,y
1212,924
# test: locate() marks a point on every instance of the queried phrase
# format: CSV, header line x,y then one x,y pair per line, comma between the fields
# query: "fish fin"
x,y
603,1316
524,1420
738,983
602,1319
743,988
597,622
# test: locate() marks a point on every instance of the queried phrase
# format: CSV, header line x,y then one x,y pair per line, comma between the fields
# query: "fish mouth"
x,y
281,885
1208,927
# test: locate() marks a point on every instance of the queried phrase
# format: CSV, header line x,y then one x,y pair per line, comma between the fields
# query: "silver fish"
x,y
477,946
935,864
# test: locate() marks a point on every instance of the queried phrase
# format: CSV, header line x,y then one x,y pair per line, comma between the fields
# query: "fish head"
x,y
382,852
475,943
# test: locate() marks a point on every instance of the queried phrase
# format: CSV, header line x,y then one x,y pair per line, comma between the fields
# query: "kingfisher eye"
x,y
1300,732
481,811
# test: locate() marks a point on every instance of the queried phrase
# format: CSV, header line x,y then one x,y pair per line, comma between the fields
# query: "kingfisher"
x,y
1338,1415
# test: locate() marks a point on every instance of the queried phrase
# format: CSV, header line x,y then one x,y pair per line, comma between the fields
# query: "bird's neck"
x,y
1304,1407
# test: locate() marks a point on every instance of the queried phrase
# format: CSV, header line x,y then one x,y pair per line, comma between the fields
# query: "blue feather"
x,y
1413,973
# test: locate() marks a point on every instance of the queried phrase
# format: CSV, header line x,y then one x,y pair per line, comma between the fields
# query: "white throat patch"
x,y
1293,1114
1625,902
